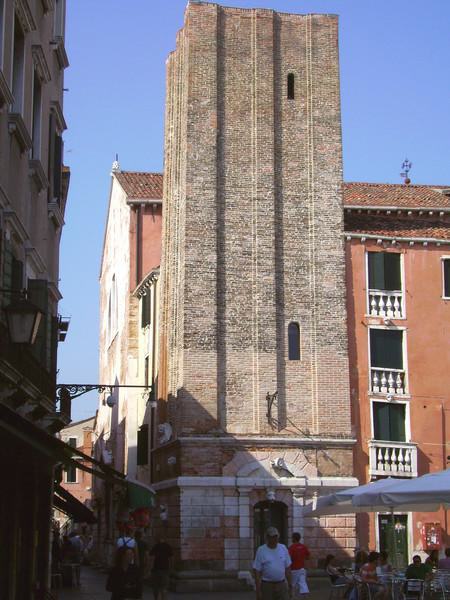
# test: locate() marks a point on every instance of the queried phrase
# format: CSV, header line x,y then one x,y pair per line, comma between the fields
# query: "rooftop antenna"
x,y
115,166
406,166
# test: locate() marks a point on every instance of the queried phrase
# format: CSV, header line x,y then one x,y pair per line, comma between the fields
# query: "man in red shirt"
x,y
298,553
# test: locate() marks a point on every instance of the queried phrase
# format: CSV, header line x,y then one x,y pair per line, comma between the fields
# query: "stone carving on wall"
x,y
270,463
165,433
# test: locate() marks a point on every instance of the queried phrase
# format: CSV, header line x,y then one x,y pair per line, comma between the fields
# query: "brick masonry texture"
x,y
252,225
252,240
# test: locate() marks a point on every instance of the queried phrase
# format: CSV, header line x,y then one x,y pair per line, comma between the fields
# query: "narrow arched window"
x,y
294,341
291,86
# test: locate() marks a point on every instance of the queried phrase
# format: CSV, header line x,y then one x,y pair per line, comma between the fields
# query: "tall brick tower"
x,y
254,377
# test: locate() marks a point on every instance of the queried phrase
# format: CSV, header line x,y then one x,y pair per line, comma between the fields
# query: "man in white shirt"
x,y
272,568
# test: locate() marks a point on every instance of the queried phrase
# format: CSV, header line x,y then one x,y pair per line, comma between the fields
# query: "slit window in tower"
x,y
291,86
294,341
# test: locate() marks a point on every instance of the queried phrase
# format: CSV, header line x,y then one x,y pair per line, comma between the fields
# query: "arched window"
x,y
291,86
294,341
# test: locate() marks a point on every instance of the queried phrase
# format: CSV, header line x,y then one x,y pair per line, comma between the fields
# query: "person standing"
x,y
298,553
143,553
272,569
162,554
123,580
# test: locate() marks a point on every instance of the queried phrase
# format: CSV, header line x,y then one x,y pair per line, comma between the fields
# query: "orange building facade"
x,y
398,302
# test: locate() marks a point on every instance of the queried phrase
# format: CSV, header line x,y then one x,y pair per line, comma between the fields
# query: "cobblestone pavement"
x,y
93,588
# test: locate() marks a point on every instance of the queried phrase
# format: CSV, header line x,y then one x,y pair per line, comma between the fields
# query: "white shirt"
x,y
129,542
272,562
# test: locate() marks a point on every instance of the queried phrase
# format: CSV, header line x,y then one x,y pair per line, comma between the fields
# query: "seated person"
x,y
418,570
444,563
384,568
369,575
336,574
360,560
433,559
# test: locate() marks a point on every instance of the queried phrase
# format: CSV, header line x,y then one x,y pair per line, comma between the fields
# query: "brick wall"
x,y
253,222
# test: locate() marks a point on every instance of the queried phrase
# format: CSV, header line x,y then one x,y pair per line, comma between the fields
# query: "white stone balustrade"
x,y
387,381
387,304
393,458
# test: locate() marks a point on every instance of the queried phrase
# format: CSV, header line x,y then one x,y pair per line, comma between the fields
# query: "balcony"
x,y
387,381
386,304
398,459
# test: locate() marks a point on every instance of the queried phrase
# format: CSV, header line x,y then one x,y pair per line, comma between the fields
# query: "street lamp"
x,y
23,319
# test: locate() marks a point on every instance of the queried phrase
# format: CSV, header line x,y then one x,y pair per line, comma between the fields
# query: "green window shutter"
x,y
38,295
392,276
397,422
386,349
384,271
389,422
376,270
447,277
381,420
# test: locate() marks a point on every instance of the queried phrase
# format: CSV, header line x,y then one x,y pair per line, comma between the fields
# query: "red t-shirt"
x,y
298,553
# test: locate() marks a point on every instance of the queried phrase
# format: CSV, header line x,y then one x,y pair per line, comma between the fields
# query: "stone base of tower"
x,y
216,522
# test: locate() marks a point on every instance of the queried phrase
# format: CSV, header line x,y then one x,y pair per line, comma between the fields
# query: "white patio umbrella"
x,y
426,493
343,502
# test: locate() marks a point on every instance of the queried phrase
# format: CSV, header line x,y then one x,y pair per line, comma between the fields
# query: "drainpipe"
x,y
138,244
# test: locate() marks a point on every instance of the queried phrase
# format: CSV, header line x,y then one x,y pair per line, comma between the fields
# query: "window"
x,y
18,67
387,371
446,276
384,271
294,341
55,156
112,310
58,24
386,348
389,421
146,307
291,86
142,445
36,129
71,470
385,296
146,371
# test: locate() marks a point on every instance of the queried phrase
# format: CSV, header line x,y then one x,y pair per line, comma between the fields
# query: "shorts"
x,y
299,585
160,580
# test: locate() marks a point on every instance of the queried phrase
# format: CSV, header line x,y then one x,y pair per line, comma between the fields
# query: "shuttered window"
x,y
142,445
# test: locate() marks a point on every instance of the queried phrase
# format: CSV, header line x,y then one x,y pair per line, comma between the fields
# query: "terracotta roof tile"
x,y
139,185
397,227
395,195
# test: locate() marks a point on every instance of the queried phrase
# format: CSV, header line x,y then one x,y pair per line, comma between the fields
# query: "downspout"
x,y
153,381
138,244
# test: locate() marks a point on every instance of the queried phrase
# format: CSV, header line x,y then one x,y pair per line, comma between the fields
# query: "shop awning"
x,y
55,450
140,495
71,506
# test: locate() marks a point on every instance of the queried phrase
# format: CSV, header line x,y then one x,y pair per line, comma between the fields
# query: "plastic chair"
x,y
337,591
414,589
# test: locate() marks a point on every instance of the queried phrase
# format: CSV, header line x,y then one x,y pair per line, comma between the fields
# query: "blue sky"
x,y
395,74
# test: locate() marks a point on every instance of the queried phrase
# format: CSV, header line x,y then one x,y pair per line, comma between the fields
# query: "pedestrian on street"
x,y
272,568
127,541
77,554
144,555
162,554
123,580
298,553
